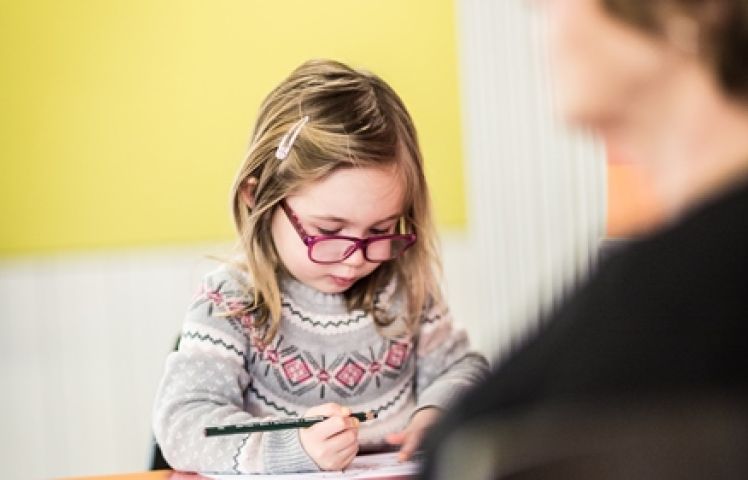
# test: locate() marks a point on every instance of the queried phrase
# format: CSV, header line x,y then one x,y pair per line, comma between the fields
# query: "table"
x,y
155,475
171,475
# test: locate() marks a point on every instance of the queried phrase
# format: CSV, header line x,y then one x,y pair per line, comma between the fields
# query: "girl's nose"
x,y
357,257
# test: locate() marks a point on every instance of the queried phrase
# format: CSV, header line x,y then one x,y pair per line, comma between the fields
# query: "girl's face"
x,y
603,67
355,202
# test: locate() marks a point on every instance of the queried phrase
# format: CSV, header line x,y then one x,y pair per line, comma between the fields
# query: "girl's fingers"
x,y
338,451
410,438
396,438
333,426
348,451
343,440
347,456
409,441
410,445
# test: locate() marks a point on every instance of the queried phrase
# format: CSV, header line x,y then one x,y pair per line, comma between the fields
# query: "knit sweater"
x,y
223,373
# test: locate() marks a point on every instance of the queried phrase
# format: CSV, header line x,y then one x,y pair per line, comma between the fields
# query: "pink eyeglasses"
x,y
336,248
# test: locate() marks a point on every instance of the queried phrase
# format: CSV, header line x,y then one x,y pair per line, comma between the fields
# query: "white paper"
x,y
371,466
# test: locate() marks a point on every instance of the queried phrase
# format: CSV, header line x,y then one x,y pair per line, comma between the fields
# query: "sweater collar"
x,y
312,299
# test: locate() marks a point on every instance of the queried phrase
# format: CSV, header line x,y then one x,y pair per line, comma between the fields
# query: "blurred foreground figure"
x,y
642,373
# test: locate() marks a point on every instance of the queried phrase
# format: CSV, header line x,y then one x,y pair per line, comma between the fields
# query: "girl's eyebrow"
x,y
329,218
332,218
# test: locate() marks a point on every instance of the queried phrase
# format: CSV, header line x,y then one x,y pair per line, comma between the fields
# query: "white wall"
x,y
84,339
85,336
536,192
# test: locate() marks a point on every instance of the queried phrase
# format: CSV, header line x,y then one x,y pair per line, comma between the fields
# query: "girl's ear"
x,y
248,191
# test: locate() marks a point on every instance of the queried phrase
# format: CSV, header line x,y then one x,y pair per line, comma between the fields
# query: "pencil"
x,y
281,423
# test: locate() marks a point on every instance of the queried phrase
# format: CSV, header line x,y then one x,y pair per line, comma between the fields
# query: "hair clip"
x,y
284,147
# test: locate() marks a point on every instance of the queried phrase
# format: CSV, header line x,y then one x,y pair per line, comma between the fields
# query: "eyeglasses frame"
x,y
360,243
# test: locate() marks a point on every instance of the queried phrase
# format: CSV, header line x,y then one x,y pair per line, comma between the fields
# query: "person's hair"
x,y
355,120
722,32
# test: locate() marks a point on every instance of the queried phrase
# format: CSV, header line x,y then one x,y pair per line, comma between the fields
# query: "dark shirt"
x,y
667,314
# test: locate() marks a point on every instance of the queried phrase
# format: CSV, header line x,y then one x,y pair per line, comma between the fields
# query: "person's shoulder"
x,y
225,289
219,317
710,235
228,277
222,306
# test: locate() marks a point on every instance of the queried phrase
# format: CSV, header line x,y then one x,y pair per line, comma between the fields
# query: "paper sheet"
x,y
369,466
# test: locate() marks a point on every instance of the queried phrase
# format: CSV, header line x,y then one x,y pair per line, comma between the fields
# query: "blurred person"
x,y
665,320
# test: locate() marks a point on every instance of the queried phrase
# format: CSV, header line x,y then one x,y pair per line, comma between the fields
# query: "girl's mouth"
x,y
342,281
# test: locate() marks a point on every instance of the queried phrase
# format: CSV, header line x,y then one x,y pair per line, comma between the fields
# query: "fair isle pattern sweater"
x,y
223,374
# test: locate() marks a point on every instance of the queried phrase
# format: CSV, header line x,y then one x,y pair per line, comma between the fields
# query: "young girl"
x,y
334,306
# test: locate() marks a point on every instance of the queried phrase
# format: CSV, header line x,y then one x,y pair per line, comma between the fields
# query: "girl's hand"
x,y
410,438
332,443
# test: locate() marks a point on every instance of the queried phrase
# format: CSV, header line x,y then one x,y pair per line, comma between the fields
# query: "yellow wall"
x,y
123,121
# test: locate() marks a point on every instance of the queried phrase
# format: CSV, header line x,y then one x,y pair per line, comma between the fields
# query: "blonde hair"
x,y
355,120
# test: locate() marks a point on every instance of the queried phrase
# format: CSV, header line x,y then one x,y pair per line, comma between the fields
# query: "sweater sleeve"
x,y
445,365
203,385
